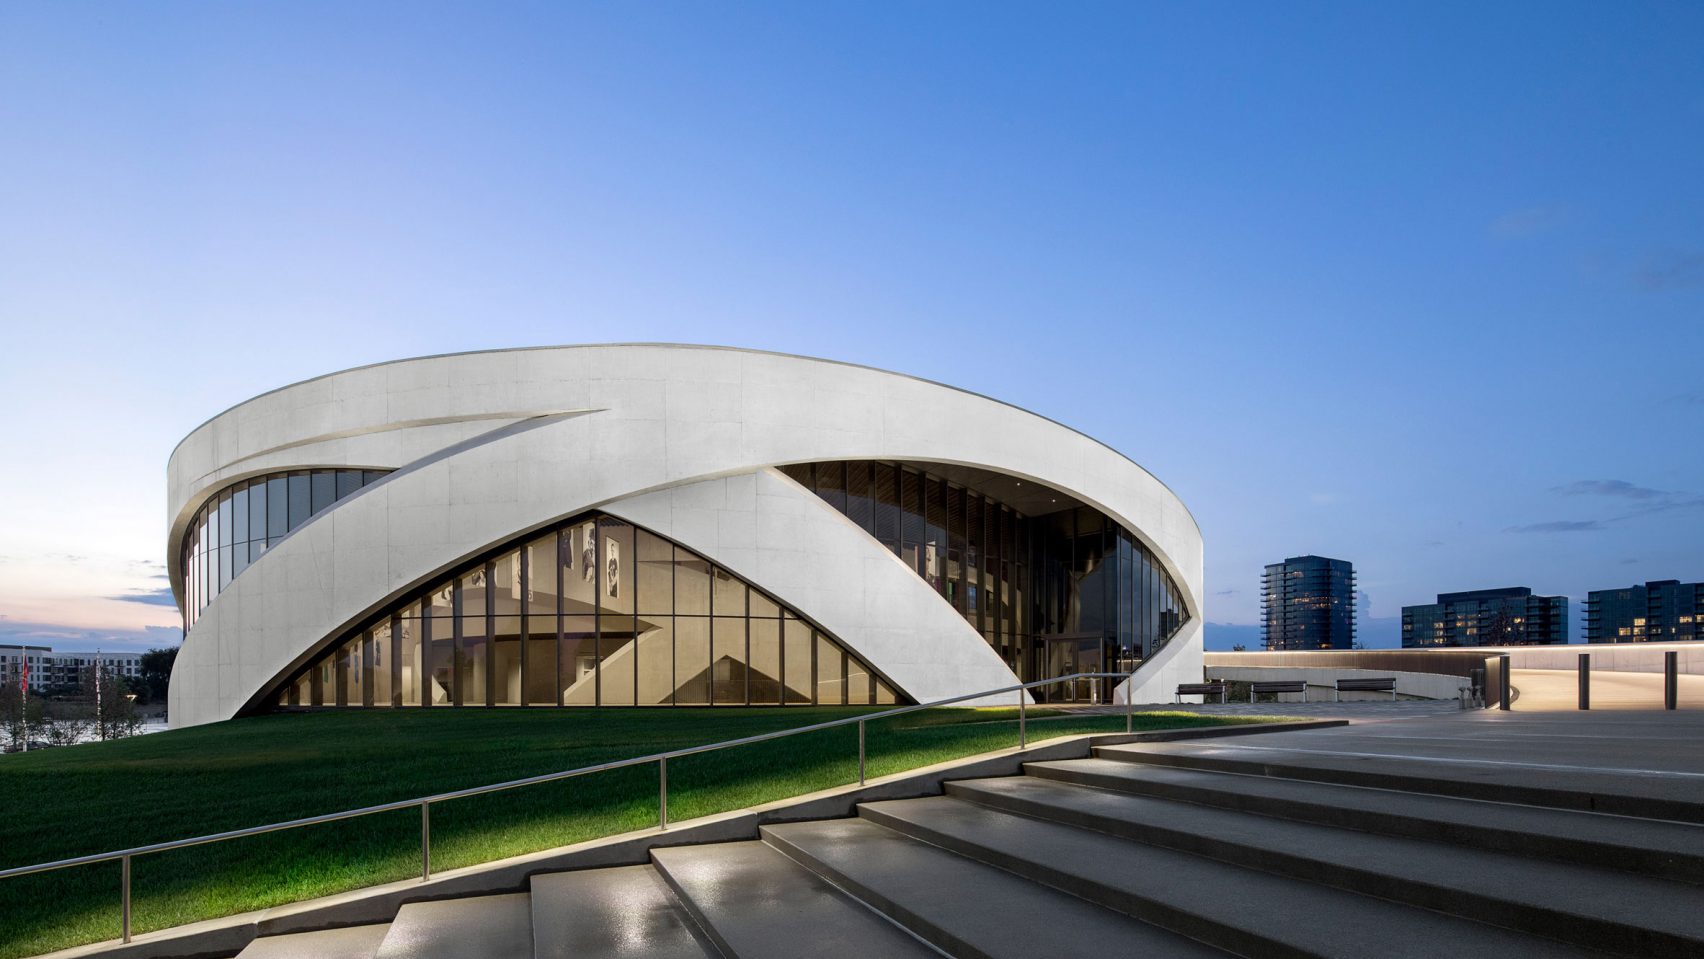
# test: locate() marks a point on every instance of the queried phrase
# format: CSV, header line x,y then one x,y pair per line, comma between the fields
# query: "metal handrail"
x,y
661,759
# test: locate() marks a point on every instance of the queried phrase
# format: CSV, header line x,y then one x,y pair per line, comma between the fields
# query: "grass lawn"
x,y
60,803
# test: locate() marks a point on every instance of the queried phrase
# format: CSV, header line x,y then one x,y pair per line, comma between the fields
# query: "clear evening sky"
x,y
1417,285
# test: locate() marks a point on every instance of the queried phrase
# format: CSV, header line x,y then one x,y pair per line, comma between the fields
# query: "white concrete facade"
x,y
488,447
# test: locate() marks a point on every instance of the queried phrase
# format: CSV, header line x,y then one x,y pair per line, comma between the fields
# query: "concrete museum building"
x,y
654,525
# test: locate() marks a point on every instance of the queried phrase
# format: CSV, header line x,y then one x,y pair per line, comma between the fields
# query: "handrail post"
x,y
860,752
126,895
1585,681
425,841
1022,715
663,793
1671,679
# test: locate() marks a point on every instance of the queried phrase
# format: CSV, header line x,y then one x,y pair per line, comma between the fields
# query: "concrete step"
x,y
1669,850
1234,908
623,912
755,903
350,942
1645,793
487,927
1567,901
964,907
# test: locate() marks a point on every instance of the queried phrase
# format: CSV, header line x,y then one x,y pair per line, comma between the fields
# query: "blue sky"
x,y
1416,285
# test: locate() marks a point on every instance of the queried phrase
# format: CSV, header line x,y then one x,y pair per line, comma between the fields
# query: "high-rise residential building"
x,y
1512,616
1664,610
1308,602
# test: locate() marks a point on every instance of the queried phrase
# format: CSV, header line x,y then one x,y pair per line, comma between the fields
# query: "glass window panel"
x,y
884,694
351,673
692,661
860,504
765,661
830,673
831,484
579,561
300,500
471,666
728,661
240,517
656,658
615,579
323,489
762,607
796,659
730,596
506,584
301,693
381,663
858,691
654,561
257,519
369,477
506,661
577,659
411,668
616,660
438,630
692,584
348,481
541,652
324,681
277,509
225,524
887,504
542,580
912,527
224,567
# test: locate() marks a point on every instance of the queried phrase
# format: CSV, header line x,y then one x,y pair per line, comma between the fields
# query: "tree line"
x,y
100,705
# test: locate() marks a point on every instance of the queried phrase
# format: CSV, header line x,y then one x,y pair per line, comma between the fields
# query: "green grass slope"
x,y
67,802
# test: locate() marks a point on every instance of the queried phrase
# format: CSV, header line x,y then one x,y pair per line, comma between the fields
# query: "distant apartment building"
x,y
1308,602
1512,616
1664,610
49,669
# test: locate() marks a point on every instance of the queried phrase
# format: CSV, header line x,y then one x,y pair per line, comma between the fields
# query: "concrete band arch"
x,y
683,440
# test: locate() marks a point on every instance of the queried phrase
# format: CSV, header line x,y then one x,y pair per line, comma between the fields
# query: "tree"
x,y
109,706
157,673
21,717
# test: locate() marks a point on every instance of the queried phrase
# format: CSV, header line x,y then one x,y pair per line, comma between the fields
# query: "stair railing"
x,y
424,803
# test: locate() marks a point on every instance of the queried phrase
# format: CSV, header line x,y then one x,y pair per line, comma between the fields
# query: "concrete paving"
x,y
1632,763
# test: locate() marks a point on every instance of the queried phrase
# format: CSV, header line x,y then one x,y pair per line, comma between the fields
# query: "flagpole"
x,y
24,686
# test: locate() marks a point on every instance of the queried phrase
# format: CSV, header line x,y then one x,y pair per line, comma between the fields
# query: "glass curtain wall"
x,y
594,612
245,519
1069,591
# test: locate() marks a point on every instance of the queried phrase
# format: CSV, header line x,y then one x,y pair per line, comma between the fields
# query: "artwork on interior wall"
x,y
589,552
566,549
612,579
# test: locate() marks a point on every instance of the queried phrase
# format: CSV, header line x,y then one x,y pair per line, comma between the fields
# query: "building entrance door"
x,y
1067,656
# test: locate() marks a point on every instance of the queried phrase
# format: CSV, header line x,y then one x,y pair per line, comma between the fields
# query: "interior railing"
x,y
424,803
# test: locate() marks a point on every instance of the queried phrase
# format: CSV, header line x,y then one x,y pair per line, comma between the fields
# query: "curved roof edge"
x,y
692,346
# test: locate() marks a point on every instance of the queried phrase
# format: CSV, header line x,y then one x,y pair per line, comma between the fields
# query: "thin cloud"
x,y
150,597
1673,272
1620,488
1227,592
1559,526
1519,223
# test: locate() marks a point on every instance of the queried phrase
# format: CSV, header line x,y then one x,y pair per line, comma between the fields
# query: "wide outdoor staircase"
x,y
1145,850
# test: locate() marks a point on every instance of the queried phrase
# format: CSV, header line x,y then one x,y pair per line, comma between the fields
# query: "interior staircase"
x,y
1143,850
